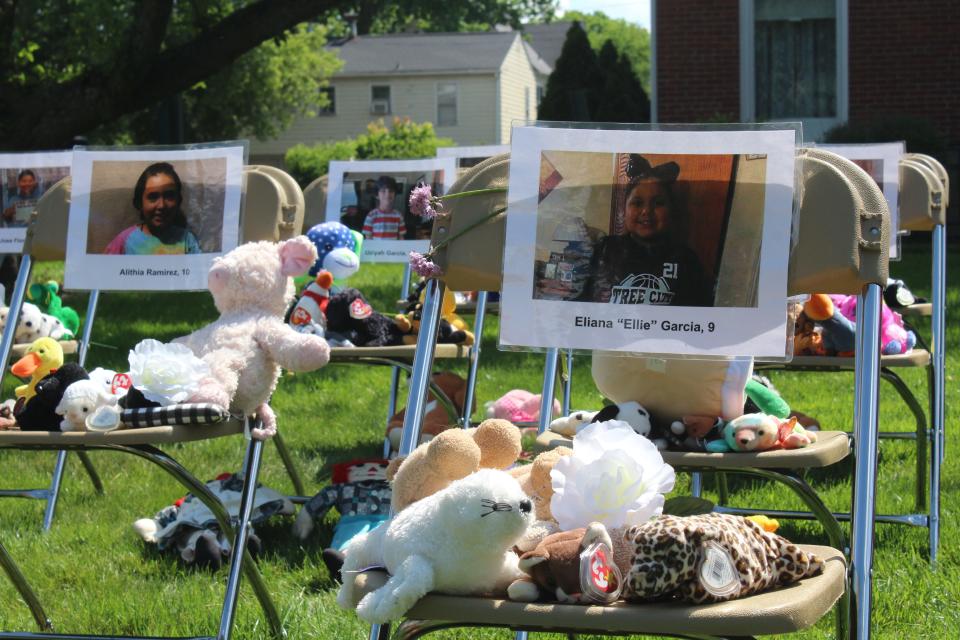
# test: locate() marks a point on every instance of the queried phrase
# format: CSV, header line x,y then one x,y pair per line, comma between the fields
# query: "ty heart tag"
x,y
600,579
120,382
360,310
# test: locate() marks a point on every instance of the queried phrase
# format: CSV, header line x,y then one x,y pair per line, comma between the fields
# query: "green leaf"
x,y
687,506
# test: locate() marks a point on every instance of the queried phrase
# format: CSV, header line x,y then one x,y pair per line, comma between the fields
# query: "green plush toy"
x,y
45,296
766,400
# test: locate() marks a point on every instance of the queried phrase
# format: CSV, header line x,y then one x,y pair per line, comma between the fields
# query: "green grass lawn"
x,y
94,575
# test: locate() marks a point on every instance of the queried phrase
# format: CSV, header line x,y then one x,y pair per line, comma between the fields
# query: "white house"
x,y
471,86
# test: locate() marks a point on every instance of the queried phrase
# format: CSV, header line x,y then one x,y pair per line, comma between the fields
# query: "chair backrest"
x,y
264,214
921,197
938,169
293,205
841,244
315,196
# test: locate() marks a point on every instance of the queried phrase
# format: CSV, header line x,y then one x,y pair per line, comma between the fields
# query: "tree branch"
x,y
50,115
146,33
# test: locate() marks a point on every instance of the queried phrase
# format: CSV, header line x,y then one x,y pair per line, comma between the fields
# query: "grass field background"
x,y
95,576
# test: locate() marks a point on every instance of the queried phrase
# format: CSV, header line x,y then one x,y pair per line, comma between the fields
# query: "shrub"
x,y
406,139
920,134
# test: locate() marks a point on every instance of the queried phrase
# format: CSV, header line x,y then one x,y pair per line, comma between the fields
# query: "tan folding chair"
x,y
46,240
855,261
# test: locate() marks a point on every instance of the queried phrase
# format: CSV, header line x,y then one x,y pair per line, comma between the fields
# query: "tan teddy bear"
x,y
453,454
535,481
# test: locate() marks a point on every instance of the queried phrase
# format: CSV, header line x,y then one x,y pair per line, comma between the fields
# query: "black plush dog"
x,y
350,316
38,413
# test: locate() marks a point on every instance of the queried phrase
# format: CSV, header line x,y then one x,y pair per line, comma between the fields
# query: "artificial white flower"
x,y
166,373
615,476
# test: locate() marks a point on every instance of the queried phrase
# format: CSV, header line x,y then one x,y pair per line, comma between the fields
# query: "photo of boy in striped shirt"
x,y
385,222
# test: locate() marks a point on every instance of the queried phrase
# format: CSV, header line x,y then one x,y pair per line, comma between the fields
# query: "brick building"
x,y
824,62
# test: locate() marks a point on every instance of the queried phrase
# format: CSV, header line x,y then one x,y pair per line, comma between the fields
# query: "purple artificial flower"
x,y
422,202
423,266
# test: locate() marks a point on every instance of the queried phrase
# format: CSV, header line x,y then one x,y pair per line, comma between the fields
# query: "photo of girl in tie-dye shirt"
x,y
163,228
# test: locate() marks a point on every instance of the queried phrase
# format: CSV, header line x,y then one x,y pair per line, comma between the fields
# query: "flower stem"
x,y
475,192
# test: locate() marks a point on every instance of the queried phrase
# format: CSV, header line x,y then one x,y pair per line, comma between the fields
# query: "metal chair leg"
x,y
287,458
54,491
91,472
936,460
478,322
922,432
23,588
867,364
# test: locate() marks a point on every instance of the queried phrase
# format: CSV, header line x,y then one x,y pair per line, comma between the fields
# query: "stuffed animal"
x,y
115,383
535,481
760,432
807,340
79,403
45,296
360,492
692,433
35,324
894,338
435,418
553,567
838,333
43,356
448,312
687,558
309,313
897,295
452,455
569,425
39,413
189,528
518,405
669,557
338,249
630,412
456,541
350,317
248,344
408,324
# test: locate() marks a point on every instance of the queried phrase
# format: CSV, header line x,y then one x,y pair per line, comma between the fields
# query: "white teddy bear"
x,y
80,401
246,346
457,541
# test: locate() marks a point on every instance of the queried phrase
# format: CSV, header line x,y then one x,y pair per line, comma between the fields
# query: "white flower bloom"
x,y
615,476
166,373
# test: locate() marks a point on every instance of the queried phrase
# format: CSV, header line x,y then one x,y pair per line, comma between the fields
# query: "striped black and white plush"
x,y
175,414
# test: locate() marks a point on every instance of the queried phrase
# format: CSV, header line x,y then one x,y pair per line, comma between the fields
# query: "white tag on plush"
x,y
718,574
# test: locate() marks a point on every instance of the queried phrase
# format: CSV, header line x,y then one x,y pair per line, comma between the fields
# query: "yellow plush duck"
x,y
44,356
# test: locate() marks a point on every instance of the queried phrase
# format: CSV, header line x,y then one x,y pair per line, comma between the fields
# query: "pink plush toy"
x,y
248,344
519,405
894,338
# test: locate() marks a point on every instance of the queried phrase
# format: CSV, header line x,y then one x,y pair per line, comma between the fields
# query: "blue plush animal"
x,y
338,248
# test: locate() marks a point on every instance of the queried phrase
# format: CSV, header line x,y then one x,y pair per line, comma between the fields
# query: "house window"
x,y
526,103
331,101
380,100
795,59
446,104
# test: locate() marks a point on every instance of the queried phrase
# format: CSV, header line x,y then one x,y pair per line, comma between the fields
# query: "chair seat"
x,y
830,447
921,309
148,435
785,610
68,346
913,358
402,352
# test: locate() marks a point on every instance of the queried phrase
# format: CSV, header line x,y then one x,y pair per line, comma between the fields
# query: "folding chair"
x,y
23,588
854,261
46,240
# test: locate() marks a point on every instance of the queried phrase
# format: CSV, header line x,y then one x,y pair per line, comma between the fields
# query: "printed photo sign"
x,y
882,162
371,196
670,242
152,220
24,178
